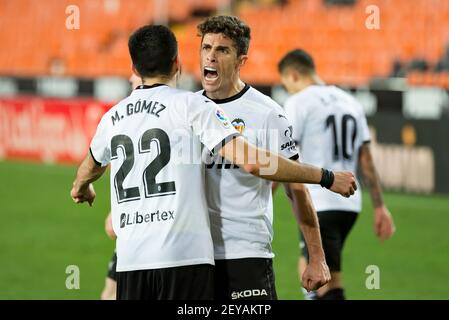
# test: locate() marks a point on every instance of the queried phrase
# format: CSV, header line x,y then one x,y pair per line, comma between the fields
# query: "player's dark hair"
x,y
299,60
153,49
232,27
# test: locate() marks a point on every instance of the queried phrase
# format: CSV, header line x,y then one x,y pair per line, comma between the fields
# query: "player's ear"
x,y
242,60
176,66
295,76
135,70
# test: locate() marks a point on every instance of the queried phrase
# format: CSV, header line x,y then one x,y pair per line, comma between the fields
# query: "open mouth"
x,y
210,73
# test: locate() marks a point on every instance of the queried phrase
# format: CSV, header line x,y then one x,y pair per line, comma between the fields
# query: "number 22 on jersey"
x,y
161,145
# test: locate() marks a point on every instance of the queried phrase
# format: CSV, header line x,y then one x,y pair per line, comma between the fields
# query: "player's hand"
x,y
316,275
108,227
383,223
82,195
344,183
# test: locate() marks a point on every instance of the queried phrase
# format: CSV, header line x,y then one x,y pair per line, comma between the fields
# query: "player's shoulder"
x,y
262,102
254,101
164,93
115,108
174,98
181,98
308,95
313,94
200,92
350,99
342,93
200,96
176,94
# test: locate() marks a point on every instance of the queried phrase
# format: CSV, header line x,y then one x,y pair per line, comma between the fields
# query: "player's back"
x,y
153,139
329,126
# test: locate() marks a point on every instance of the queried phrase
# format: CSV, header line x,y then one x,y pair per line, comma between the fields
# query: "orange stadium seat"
x,y
345,50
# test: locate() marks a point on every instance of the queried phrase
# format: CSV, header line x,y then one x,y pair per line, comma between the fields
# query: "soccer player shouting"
x,y
240,205
159,212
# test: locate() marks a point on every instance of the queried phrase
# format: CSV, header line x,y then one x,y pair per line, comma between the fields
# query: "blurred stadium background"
x,y
59,74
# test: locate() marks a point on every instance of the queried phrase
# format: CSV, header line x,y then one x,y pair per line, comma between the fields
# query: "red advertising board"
x,y
48,130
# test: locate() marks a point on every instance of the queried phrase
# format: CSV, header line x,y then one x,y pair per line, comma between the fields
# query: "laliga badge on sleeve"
x,y
219,113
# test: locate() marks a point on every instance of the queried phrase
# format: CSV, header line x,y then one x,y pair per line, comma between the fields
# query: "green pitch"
x,y
43,232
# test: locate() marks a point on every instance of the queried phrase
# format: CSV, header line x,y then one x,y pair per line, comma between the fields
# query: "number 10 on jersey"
x,y
347,153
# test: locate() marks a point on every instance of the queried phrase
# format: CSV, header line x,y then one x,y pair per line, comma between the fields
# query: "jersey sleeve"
x,y
210,123
99,146
279,135
365,134
296,113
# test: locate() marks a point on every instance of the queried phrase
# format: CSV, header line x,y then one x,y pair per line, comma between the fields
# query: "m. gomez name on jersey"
x,y
150,107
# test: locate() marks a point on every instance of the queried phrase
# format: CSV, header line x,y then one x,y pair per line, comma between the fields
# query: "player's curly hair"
x,y
230,26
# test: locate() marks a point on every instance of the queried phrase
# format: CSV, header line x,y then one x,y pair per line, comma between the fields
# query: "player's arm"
x,y
317,272
274,187
270,166
87,173
108,227
383,221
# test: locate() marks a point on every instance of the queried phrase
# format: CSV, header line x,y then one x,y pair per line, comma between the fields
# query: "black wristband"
x,y
327,178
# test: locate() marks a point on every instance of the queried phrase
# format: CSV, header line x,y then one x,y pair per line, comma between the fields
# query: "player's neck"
x,y
316,81
313,80
159,80
224,93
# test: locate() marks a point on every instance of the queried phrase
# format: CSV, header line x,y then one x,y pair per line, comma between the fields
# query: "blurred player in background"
x,y
331,129
240,206
110,287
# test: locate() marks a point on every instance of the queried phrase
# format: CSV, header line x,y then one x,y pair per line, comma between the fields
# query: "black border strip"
x,y
95,160
294,157
144,86
232,98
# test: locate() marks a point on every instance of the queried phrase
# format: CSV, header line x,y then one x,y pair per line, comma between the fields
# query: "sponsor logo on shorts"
x,y
248,293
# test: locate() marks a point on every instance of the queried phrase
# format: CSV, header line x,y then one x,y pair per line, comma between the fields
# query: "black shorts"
x,y
334,228
244,279
112,267
193,282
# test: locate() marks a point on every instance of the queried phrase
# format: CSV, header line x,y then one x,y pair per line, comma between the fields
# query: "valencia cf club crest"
x,y
238,124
